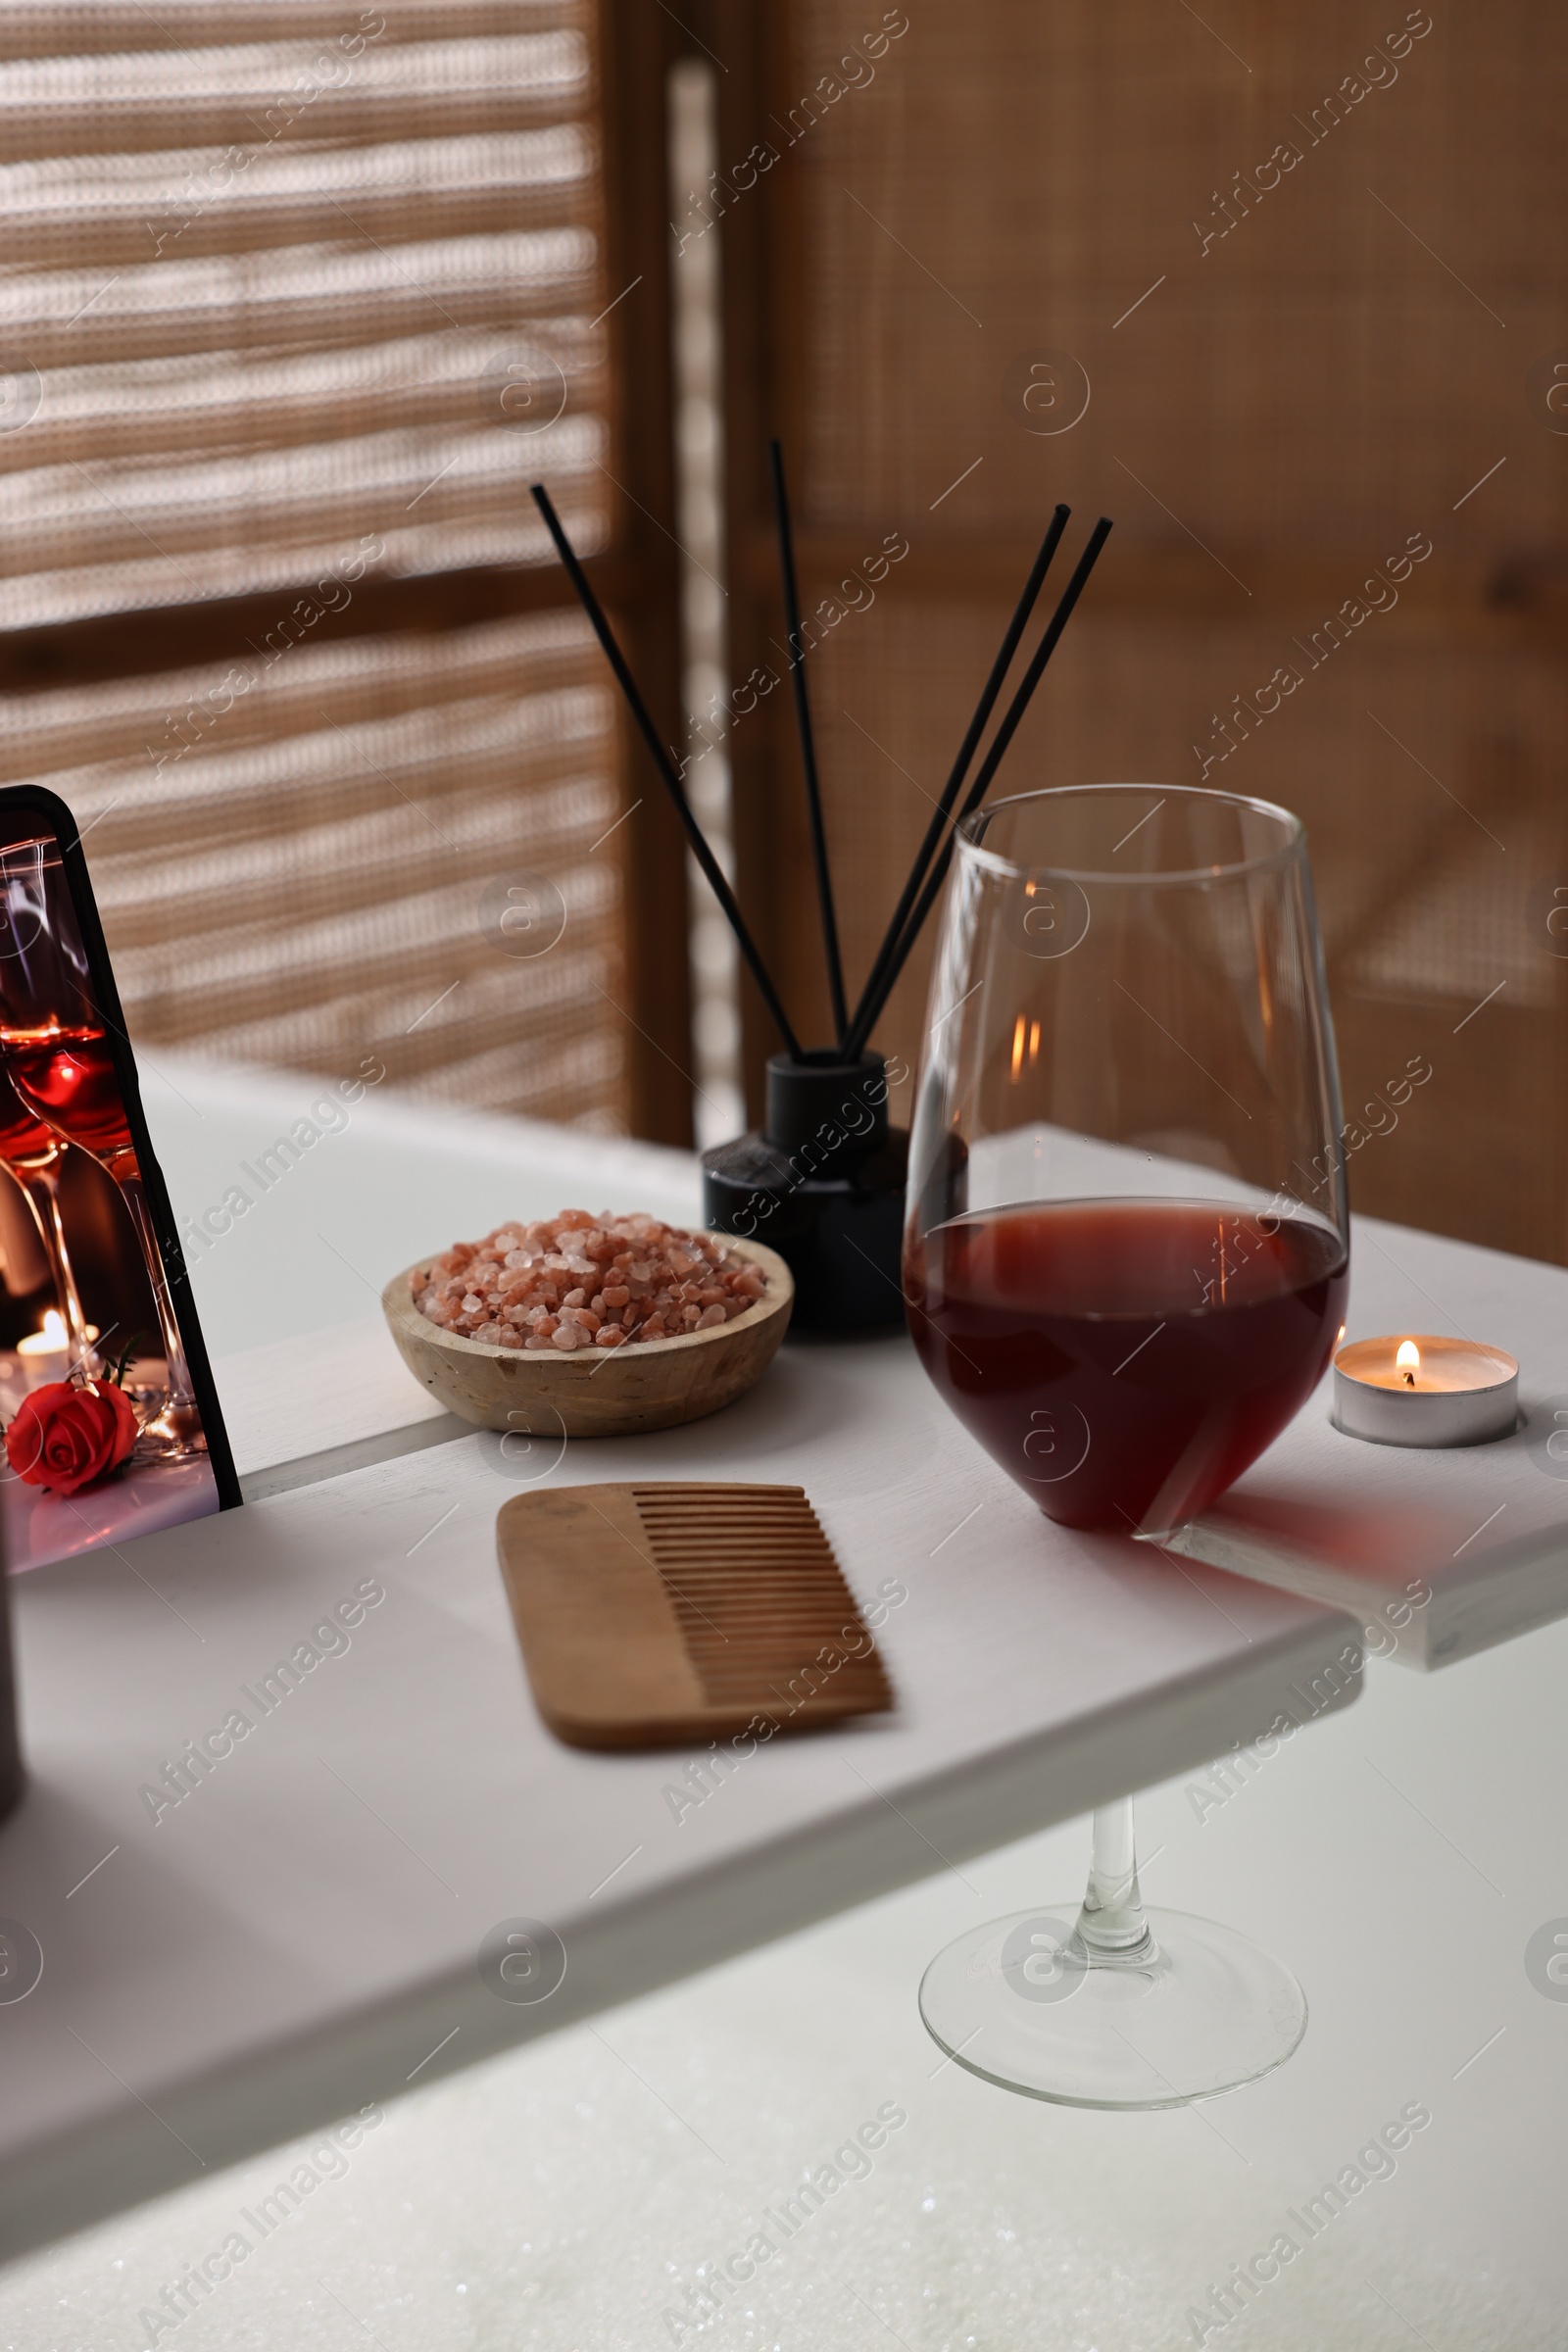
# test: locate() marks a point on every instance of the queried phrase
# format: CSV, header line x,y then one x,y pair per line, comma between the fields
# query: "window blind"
x,y
297,300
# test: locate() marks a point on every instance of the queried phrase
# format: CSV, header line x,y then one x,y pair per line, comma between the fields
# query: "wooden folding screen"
x,y
1276,289
295,300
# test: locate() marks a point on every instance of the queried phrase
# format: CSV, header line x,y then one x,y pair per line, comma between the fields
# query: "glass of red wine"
x,y
1126,1261
33,1152
56,1055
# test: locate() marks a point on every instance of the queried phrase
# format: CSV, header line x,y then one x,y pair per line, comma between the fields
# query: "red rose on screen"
x,y
63,1436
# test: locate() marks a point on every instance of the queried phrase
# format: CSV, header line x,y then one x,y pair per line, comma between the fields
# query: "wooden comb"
x,y
652,1615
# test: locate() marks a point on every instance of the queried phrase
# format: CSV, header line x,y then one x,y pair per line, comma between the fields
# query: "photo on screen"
x,y
112,1427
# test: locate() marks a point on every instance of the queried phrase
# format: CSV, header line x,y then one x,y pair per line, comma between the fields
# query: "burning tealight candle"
x,y
1424,1391
45,1354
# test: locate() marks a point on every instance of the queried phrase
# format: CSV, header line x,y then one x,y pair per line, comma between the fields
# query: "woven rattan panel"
x,y
1289,377
295,298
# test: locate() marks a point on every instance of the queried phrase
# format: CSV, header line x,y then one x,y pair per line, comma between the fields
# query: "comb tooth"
x,y
736,1639
788,1655
749,1596
751,1599
740,1542
768,1666
727,1624
697,1513
763,1539
740,1556
741,1532
784,1508
679,1490
719,1608
764,1568
802,1641
774,1584
784,1515
737,1548
753,1591
775,1640
736,1531
701,1515
762,1576
801,1531
767,1575
727,1619
774,1645
767,1585
694,1513
742,1547
762,1523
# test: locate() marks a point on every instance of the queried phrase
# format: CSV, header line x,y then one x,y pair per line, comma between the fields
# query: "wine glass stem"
x,y
42,1188
179,1388
1111,1924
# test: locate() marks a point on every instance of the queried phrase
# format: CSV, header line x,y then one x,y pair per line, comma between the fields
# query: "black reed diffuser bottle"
x,y
822,1183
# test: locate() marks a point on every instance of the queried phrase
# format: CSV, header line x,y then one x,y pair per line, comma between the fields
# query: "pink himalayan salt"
x,y
579,1281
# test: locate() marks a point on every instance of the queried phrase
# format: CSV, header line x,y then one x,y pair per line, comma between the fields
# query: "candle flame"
x,y
1409,1357
54,1329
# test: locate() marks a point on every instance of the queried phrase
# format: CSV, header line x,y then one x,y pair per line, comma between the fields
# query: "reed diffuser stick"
x,y
704,855
867,1019
960,765
802,726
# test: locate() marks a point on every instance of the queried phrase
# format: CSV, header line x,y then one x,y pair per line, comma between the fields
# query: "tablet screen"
x,y
112,1425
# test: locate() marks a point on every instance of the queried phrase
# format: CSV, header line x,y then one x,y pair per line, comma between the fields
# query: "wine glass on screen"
x,y
57,1056
1126,1259
33,1152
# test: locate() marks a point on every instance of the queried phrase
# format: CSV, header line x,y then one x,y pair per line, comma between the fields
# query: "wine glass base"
x,y
174,1434
1014,2002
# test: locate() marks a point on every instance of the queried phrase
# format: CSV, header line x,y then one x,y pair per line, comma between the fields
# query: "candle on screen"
x,y
46,1354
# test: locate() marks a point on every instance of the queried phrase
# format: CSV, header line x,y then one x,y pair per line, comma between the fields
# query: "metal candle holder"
x,y
1425,1391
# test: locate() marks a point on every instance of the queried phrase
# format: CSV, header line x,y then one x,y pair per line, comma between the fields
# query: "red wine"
x,y
24,1137
67,1077
1125,1361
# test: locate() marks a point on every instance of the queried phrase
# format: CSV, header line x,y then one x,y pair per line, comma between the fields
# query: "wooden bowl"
x,y
596,1392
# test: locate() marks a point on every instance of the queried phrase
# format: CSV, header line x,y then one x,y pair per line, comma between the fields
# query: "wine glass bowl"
x,y
1126,1260
1126,1254
66,1078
